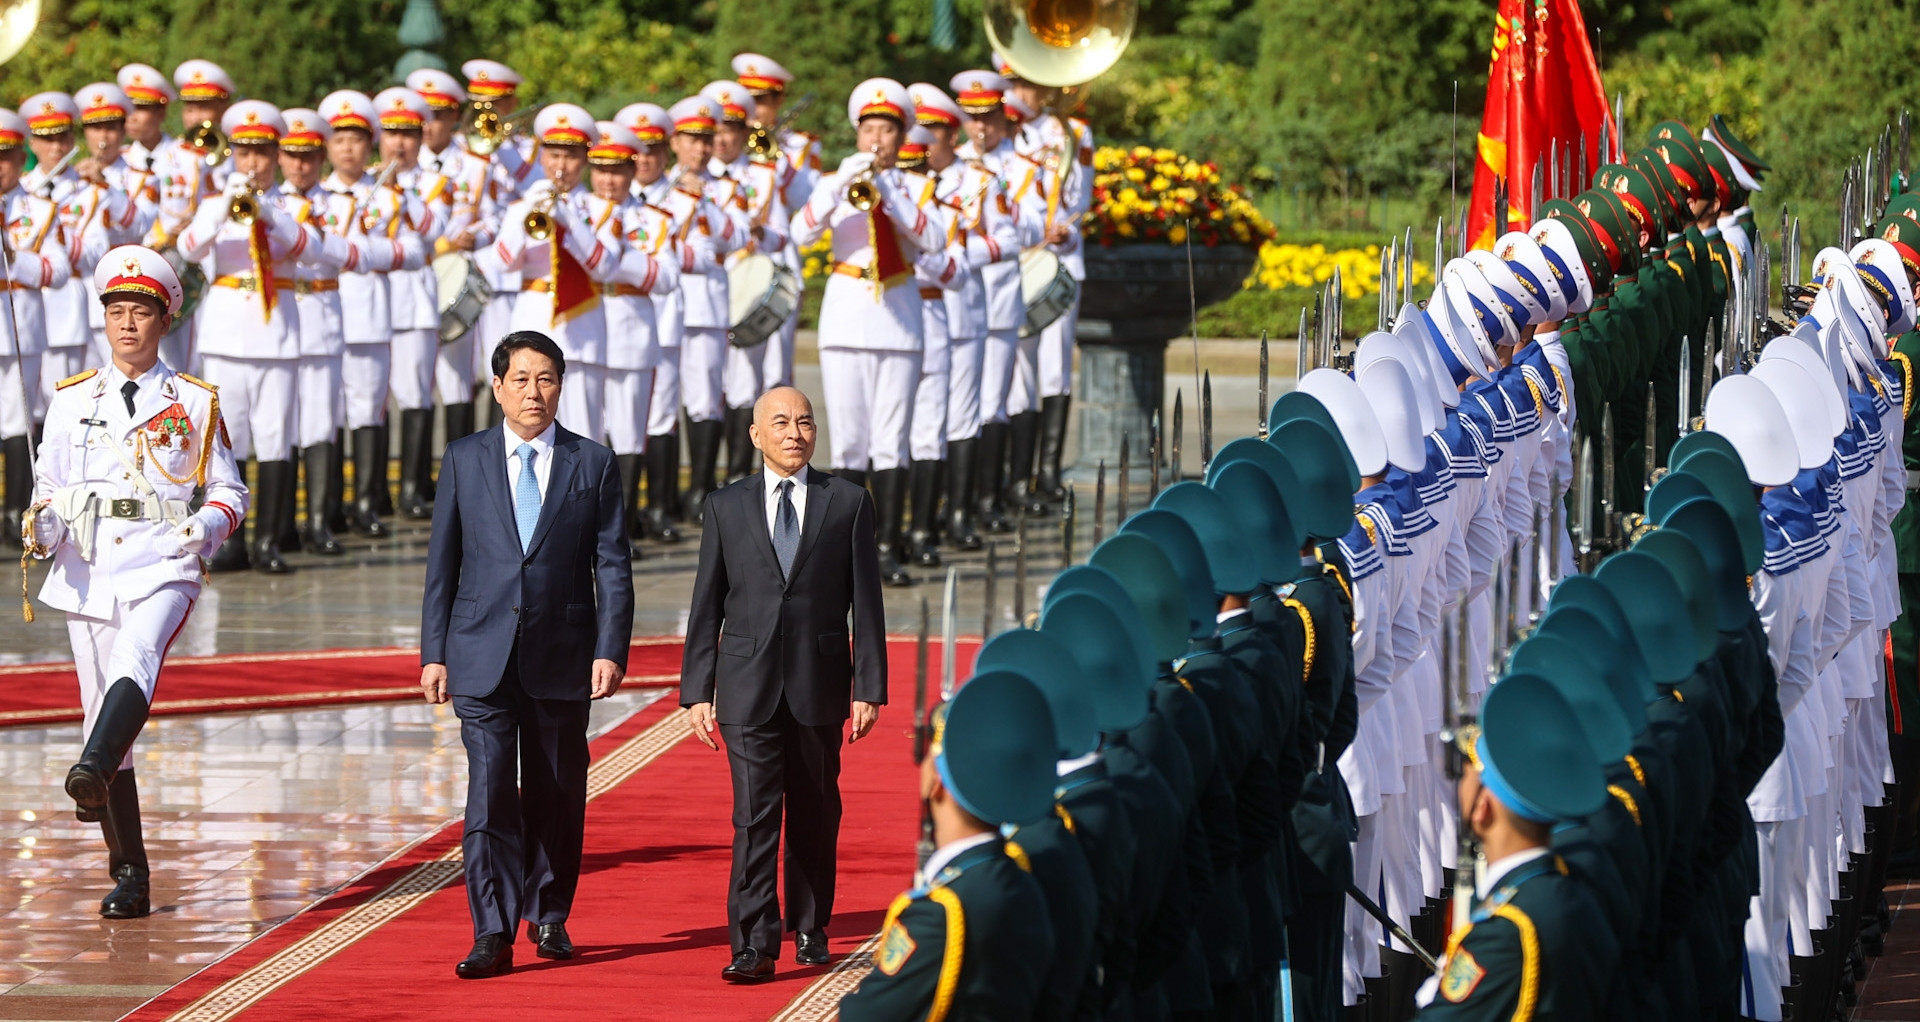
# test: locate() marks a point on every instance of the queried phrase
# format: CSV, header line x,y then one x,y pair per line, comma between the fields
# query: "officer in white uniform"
x,y
85,210
124,450
511,169
470,227
870,319
562,263
255,355
37,259
937,274
798,162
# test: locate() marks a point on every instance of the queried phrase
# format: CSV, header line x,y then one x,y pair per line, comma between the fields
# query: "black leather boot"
x,y
1053,440
741,453
657,524
676,511
273,511
856,476
123,712
318,537
1023,433
459,420
959,517
416,462
889,492
369,481
19,484
629,466
703,452
924,482
126,851
337,484
288,537
232,555
992,474
383,486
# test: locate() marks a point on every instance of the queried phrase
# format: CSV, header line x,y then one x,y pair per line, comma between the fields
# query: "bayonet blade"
x,y
1499,206
1609,484
1173,441
1579,183
1906,134
1649,446
1206,421
990,599
1260,400
1583,509
1686,385
1069,524
1100,502
1020,569
1540,183
949,632
1157,449
1122,485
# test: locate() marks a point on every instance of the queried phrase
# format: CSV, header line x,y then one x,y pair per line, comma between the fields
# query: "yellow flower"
x,y
1136,175
1178,234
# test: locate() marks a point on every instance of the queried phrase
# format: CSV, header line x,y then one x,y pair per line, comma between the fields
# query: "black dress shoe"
x,y
492,955
551,940
811,948
748,966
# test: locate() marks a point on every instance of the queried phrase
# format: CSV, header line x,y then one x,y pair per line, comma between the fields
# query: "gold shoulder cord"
x,y
1529,960
1306,622
952,955
1906,385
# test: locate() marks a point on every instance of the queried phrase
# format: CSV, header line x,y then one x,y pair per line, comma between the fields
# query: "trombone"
x,y
486,131
207,137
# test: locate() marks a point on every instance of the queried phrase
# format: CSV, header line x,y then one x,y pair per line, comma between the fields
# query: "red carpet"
x,y
649,922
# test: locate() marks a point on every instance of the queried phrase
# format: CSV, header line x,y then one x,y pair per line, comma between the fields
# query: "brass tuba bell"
x,y
1058,43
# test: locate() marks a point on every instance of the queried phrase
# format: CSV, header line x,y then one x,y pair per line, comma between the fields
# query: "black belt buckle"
x,y
125,507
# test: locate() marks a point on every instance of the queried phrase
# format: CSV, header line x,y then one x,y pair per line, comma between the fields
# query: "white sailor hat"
x,y
1402,348
1557,247
50,113
1802,348
1462,354
146,86
1536,273
1477,308
763,76
1862,320
649,122
1744,410
564,124
306,132
1353,414
441,90
615,147
136,269
252,122
202,81
347,108
104,103
1424,339
1799,398
1881,270
401,109
1390,392
13,130
695,115
932,105
1523,308
490,79
979,92
734,99
880,97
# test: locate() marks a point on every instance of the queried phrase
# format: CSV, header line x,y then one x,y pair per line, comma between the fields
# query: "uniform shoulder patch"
x,y
1461,976
198,382
896,946
76,378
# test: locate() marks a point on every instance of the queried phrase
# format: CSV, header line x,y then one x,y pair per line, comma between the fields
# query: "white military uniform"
x,y
798,169
649,270
691,216
756,194
39,266
580,331
1006,353
937,273
1063,147
706,313
338,247
510,171
463,362
983,220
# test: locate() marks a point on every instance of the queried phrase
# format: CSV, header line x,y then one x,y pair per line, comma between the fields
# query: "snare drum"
x,y
761,294
463,295
1046,287
193,282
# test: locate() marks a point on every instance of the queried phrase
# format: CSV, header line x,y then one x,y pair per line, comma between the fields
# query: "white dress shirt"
x,y
774,479
542,460
951,851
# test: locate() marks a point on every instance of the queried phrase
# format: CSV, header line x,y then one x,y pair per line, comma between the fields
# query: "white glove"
x,y
538,191
189,537
855,164
29,272
237,184
48,530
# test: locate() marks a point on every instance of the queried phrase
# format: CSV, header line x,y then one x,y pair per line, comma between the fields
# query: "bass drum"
x,y
761,294
193,283
1047,289
464,294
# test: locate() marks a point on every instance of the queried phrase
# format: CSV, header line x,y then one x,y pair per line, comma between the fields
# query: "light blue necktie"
x,y
526,497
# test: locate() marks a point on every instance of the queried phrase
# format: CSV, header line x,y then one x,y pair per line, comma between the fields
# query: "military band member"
x,y
319,389
548,237
471,227
52,120
797,159
870,319
36,260
103,121
511,169
411,292
125,448
936,273
150,93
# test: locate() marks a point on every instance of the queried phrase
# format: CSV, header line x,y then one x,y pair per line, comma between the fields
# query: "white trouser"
x,y
414,352
322,401
131,644
703,360
57,364
963,387
581,391
256,403
663,412
1024,382
1000,352
776,362
629,400
1056,352
453,371
928,434
364,373
1363,933
19,392
496,322
744,379
869,397
1767,932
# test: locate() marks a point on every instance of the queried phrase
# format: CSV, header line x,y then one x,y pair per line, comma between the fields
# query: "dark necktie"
x,y
786,530
127,392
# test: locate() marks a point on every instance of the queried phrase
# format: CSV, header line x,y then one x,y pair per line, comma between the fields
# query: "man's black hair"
x,y
532,340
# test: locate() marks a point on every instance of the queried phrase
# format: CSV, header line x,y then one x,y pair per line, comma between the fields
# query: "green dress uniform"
x,y
1905,633
1529,953
1053,855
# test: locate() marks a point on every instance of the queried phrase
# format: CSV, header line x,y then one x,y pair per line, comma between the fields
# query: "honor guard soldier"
x,y
549,238
470,227
870,321
937,273
249,237
974,940
756,192
36,261
125,449
103,120
376,211
511,169
649,271
412,295
795,156
52,118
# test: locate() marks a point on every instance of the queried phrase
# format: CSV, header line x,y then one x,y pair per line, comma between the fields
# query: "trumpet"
x,y
861,192
486,131
207,137
763,140
244,209
539,222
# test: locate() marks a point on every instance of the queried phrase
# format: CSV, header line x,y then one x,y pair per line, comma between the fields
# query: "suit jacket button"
x,y
516,609
786,596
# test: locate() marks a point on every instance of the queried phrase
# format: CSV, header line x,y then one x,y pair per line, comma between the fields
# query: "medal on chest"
x,y
168,428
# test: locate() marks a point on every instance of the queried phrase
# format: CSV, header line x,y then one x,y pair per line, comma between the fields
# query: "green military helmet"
x,y
1704,521
1683,560
1043,660
1181,545
1613,227
1573,671
1118,674
1256,489
1533,754
1238,559
1726,476
1323,503
1619,665
1676,144
1586,593
1154,585
1722,133
993,748
1592,255
1656,609
1637,192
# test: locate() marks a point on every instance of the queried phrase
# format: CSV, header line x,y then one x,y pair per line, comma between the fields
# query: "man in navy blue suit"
x,y
528,614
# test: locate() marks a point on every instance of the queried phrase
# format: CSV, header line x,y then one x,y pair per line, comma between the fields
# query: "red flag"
x,y
573,291
1543,87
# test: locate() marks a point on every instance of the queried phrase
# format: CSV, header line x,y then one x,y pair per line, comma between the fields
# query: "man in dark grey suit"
x,y
787,560
528,614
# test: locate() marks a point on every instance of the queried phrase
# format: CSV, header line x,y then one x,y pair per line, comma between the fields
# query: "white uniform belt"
x,y
144,509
